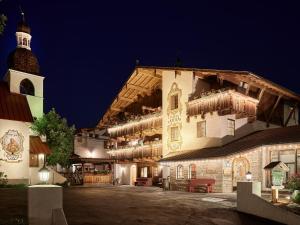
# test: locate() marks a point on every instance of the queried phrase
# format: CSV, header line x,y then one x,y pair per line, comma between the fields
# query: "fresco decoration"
x,y
12,145
174,118
174,91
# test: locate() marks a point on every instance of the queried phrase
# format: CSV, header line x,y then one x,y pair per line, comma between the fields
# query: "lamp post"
x,y
44,173
248,176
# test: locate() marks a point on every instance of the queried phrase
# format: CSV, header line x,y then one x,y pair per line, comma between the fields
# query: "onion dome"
x,y
23,27
23,60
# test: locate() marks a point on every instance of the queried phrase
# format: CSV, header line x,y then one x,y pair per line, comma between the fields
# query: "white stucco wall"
x,y
16,170
36,103
90,148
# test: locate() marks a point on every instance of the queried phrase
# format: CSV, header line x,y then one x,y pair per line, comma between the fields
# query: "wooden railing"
x,y
150,151
97,179
149,121
223,102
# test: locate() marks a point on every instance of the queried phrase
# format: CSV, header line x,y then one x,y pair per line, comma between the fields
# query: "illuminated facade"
x,y
182,124
22,153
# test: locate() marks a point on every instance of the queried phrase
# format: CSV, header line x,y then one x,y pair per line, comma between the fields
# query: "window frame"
x,y
33,162
231,128
192,173
173,136
198,125
179,172
174,101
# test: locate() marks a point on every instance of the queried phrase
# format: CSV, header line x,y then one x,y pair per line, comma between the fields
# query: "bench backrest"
x,y
202,181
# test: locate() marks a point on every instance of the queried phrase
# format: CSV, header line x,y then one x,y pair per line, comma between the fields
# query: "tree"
x,y
3,20
59,137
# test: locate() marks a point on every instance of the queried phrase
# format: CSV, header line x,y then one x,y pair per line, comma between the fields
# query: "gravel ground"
x,y
134,206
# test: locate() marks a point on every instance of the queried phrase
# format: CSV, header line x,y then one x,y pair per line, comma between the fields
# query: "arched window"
x,y
26,87
192,171
179,172
24,41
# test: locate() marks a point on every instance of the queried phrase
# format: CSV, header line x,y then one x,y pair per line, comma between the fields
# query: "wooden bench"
x,y
204,184
143,181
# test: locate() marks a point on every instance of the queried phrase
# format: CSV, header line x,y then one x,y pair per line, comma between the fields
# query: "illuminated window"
x,y
174,102
179,172
192,171
231,127
144,172
174,133
201,129
155,171
20,41
34,160
26,87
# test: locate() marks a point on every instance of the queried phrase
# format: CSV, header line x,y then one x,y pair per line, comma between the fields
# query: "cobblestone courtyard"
x,y
135,205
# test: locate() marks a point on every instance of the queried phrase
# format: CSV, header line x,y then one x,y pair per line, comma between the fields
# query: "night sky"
x,y
87,49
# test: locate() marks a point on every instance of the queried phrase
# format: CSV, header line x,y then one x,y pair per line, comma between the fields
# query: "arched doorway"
x,y
132,174
240,166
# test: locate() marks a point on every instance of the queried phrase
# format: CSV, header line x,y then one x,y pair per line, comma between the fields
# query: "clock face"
x,y
12,145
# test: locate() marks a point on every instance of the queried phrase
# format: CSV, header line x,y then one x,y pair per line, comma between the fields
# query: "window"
x,y
34,160
24,41
144,172
174,102
20,41
192,171
174,133
26,87
179,172
155,171
230,127
201,129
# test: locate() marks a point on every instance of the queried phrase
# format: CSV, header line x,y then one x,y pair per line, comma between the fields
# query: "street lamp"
x,y
248,176
44,173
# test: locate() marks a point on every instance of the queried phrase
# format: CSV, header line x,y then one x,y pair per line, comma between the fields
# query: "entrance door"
x,y
240,167
133,174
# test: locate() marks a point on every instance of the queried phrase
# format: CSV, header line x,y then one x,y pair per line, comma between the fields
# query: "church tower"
x,y
23,75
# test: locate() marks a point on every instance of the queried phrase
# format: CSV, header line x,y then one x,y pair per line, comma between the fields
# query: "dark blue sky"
x,y
87,49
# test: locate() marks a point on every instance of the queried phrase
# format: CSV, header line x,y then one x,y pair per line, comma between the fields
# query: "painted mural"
x,y
174,118
12,146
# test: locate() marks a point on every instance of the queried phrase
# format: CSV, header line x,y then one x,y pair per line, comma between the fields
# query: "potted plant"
x,y
294,186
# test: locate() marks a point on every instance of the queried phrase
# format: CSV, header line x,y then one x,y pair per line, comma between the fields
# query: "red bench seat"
x,y
205,184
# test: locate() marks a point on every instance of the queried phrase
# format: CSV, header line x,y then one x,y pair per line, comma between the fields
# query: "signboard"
x,y
12,145
277,177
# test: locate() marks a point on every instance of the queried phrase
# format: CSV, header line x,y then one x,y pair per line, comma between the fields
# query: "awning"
x,y
38,147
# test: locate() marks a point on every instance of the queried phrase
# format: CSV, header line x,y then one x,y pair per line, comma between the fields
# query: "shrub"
x,y
3,179
294,182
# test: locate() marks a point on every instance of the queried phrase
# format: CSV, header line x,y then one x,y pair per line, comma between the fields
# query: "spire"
x,y
23,32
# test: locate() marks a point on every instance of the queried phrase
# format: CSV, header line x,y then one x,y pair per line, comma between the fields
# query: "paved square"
x,y
147,205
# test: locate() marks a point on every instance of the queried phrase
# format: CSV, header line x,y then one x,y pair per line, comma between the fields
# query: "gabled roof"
x,y
278,164
13,106
144,79
38,147
273,136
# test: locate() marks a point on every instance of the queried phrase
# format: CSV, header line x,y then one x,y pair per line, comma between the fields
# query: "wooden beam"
x,y
273,109
290,115
261,93
125,99
138,88
248,89
115,109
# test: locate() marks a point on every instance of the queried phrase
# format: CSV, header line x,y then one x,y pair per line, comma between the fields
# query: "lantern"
x,y
44,174
248,176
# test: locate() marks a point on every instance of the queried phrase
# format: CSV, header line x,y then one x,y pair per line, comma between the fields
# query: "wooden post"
x,y
290,115
273,109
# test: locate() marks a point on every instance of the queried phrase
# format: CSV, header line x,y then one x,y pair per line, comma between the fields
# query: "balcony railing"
x,y
223,102
150,151
150,121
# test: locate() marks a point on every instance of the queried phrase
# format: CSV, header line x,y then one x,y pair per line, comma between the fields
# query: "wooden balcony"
x,y
224,102
143,123
149,152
